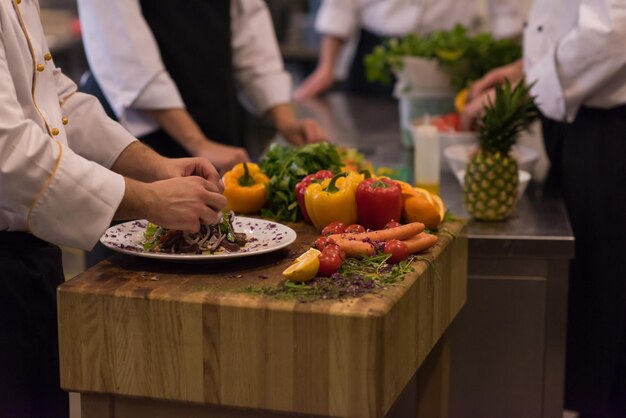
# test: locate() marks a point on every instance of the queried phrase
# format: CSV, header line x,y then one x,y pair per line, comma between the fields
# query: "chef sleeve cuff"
x,y
335,21
160,93
547,89
266,92
78,204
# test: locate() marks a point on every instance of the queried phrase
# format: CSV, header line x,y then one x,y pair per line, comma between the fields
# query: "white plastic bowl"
x,y
524,179
423,77
459,154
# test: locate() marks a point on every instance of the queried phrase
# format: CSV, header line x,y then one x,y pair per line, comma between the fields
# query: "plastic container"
x,y
422,88
426,163
415,107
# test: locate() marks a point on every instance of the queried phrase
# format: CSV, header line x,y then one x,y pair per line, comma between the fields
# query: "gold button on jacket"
x,y
65,121
47,56
55,131
40,67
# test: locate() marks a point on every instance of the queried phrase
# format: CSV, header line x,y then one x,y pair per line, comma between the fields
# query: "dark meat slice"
x,y
240,239
230,246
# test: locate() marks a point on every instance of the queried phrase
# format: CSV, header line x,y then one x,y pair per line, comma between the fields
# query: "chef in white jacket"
x,y
173,72
575,53
66,170
372,21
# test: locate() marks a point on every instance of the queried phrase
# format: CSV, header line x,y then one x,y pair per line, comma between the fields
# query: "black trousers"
x,y
588,162
356,81
30,271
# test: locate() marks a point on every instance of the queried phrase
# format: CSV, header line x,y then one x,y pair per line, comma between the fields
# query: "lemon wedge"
x,y
304,268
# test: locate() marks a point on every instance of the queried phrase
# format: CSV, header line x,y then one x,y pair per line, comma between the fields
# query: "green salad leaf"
x,y
285,166
226,225
151,236
465,58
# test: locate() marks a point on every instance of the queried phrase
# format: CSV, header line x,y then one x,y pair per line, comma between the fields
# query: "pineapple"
x,y
491,179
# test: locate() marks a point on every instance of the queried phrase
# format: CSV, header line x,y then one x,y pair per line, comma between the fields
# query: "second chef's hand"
x,y
296,131
179,125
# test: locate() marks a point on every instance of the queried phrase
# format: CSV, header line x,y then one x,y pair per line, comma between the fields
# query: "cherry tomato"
x,y
322,242
391,224
330,261
398,250
355,229
334,228
334,248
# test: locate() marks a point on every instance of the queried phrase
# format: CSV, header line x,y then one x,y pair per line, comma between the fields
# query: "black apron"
x,y
356,81
587,163
194,41
30,271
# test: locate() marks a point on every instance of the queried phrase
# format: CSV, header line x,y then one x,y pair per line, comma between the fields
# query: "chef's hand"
x,y
182,203
303,131
195,166
224,157
318,82
482,91
296,131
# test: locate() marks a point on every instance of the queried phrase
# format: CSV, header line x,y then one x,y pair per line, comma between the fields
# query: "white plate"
x,y
267,236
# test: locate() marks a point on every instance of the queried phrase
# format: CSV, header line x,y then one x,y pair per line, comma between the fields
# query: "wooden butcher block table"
x,y
144,338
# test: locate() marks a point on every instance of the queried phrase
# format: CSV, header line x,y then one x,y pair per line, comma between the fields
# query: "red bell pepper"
x,y
378,201
304,183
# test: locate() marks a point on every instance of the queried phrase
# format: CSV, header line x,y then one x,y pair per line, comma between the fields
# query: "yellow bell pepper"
x,y
332,200
245,188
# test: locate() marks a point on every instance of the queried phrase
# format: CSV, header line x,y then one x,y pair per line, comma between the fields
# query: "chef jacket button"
x,y
18,1
47,56
539,28
40,67
65,120
54,131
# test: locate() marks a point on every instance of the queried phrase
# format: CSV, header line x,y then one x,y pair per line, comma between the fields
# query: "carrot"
x,y
420,242
355,248
401,232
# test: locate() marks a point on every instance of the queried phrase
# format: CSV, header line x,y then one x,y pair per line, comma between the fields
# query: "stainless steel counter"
x,y
508,342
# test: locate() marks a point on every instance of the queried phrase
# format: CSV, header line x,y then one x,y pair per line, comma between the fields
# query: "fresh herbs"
x,y
226,225
355,278
465,58
285,166
151,236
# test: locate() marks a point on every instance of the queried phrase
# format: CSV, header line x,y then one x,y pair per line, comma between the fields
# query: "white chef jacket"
x,y
389,18
575,51
125,59
54,143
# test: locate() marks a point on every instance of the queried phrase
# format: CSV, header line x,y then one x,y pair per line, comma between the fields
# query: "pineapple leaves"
x,y
509,113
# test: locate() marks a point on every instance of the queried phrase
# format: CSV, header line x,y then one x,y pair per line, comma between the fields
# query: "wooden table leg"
x,y
427,394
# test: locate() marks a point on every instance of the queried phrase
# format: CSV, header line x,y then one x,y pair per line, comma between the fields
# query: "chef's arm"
x,y
263,83
336,20
324,75
297,131
179,125
583,61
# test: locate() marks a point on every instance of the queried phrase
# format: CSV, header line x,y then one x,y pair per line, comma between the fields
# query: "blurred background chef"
x,y
575,54
172,71
372,21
